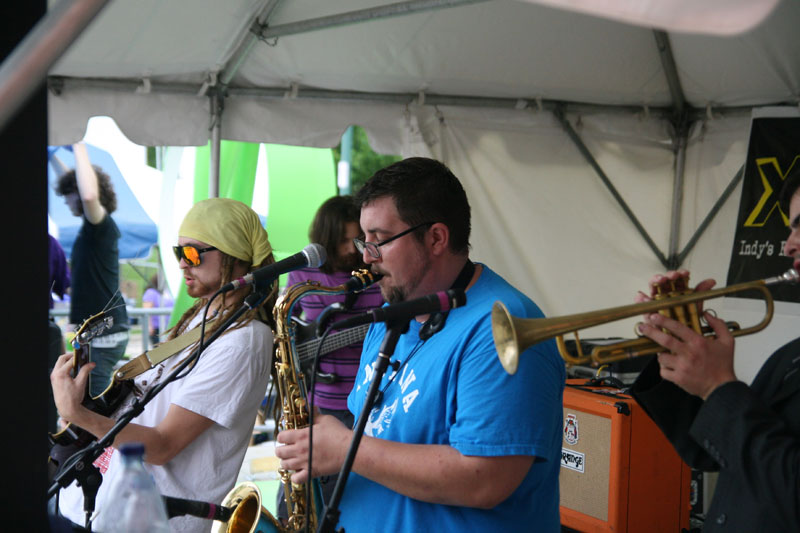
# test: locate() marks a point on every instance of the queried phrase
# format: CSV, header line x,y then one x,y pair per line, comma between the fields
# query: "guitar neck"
x,y
307,350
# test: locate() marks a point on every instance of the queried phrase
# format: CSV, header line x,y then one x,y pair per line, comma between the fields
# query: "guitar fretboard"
x,y
307,350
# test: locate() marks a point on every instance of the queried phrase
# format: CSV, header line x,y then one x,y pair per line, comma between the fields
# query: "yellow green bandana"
x,y
230,226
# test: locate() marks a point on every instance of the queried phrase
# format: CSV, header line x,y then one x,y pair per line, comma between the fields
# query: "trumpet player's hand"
x,y
696,363
331,442
664,282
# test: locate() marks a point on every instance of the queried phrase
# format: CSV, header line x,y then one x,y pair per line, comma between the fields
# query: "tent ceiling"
x,y
502,49
429,83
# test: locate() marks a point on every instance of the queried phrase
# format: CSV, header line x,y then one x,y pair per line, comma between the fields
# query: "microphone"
x,y
360,280
432,303
313,256
209,511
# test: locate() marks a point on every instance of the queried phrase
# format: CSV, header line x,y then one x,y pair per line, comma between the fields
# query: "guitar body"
x,y
74,438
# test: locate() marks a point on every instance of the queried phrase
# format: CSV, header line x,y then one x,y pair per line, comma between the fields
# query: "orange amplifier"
x,y
618,471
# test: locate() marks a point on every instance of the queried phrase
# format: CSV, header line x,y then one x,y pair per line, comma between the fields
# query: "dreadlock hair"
x,y
231,301
67,184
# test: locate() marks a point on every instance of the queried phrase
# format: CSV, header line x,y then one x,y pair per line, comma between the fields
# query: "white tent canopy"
x,y
592,150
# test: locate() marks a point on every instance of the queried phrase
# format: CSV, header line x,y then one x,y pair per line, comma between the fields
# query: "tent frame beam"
x,y
217,106
681,127
711,214
260,30
358,16
670,71
60,84
24,69
218,92
584,150
245,49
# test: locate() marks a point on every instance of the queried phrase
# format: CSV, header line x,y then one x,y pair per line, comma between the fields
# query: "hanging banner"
x,y
761,226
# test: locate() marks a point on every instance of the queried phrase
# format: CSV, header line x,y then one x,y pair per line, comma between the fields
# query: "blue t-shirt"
x,y
454,391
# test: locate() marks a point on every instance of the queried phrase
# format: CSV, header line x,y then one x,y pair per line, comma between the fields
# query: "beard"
x,y
399,293
348,263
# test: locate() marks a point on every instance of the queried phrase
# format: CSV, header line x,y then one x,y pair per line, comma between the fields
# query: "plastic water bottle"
x,y
136,504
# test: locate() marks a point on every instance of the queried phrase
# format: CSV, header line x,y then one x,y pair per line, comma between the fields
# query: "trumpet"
x,y
513,335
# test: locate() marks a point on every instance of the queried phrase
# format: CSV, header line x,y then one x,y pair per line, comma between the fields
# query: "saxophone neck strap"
x,y
436,321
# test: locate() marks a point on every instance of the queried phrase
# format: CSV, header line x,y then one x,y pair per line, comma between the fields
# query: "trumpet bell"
x,y
505,337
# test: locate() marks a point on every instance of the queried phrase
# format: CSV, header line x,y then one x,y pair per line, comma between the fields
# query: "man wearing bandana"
x,y
196,430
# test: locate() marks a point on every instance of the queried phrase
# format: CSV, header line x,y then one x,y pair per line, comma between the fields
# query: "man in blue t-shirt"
x,y
452,442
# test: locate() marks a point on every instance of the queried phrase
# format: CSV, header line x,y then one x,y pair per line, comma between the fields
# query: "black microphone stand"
x,y
330,516
80,466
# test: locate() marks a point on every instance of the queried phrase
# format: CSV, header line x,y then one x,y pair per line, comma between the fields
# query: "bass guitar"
x,y
307,341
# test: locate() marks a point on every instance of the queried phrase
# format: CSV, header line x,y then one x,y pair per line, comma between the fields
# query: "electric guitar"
x,y
306,343
72,438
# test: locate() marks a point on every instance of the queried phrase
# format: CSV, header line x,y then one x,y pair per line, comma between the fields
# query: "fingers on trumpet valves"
x,y
669,284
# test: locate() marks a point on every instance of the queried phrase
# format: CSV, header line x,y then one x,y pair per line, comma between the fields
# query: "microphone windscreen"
x,y
316,255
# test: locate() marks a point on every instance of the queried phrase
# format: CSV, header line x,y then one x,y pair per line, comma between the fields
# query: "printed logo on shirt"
x,y
381,416
380,419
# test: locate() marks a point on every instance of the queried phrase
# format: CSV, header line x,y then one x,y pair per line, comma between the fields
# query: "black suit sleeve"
x,y
673,410
747,436
751,434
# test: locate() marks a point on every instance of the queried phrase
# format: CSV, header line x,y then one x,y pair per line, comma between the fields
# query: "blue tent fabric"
x,y
139,232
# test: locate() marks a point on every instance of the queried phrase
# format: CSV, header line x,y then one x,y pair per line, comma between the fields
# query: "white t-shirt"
x,y
226,385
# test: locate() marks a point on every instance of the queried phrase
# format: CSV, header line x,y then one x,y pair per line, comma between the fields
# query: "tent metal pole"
x,y
360,15
670,71
244,50
26,67
559,113
680,122
61,84
216,101
682,139
711,214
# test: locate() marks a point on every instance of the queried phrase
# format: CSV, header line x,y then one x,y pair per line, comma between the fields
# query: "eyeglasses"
x,y
372,247
191,254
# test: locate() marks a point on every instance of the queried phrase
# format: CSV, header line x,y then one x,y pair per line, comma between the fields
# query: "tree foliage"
x,y
364,162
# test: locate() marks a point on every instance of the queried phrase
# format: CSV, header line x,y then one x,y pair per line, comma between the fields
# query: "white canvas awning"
x,y
595,152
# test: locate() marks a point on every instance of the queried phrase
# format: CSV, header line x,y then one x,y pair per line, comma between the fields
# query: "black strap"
x,y
349,300
436,321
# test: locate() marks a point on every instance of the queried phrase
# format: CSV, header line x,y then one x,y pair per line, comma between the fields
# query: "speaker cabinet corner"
x,y
618,471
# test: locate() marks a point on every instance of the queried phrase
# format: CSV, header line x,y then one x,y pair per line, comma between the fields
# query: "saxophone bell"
x,y
245,512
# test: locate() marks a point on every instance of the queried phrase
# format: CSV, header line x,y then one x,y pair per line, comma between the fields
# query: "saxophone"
x,y
242,505
293,394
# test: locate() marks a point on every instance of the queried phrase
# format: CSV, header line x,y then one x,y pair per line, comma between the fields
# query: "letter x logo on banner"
x,y
761,225
769,169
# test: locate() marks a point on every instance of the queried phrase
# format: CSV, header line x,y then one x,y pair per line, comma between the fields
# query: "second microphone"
x,y
404,311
